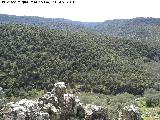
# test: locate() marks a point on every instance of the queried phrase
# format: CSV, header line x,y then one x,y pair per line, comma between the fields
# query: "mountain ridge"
x,y
140,28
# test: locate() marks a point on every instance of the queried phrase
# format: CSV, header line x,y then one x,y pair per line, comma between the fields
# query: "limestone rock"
x,y
2,101
130,113
24,109
54,105
1,93
59,104
94,112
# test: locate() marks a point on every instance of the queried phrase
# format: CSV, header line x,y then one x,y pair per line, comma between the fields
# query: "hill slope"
x,y
57,23
35,57
137,28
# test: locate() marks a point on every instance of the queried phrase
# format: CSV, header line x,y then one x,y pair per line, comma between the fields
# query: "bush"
x,y
152,97
113,103
153,100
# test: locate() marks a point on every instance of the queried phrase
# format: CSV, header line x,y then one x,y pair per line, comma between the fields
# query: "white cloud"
x,y
88,10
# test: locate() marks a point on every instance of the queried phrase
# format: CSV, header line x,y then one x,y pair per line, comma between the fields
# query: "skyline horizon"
x,y
86,10
78,20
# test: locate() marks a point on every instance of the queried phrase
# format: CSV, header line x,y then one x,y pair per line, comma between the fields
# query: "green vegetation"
x,y
35,58
108,71
152,98
57,23
148,113
112,103
147,29
116,102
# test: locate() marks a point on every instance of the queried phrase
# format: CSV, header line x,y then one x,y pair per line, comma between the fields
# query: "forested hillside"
x,y
112,64
37,57
137,28
57,23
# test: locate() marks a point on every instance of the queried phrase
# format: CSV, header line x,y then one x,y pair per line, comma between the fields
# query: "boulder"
x,y
130,113
94,112
24,109
1,93
2,101
59,104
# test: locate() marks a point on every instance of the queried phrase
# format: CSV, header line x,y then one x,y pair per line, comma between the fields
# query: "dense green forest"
x,y
37,57
36,52
52,23
111,63
137,28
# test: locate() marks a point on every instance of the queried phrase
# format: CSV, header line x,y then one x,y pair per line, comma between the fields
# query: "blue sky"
x,y
87,10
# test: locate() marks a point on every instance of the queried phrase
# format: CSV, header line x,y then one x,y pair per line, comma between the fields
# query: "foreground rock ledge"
x,y
54,105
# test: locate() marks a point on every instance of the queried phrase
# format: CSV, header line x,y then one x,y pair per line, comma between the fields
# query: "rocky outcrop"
x,y
54,105
25,109
60,104
130,113
2,101
95,113
1,95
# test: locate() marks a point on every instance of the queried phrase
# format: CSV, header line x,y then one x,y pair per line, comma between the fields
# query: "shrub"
x,y
152,97
153,100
